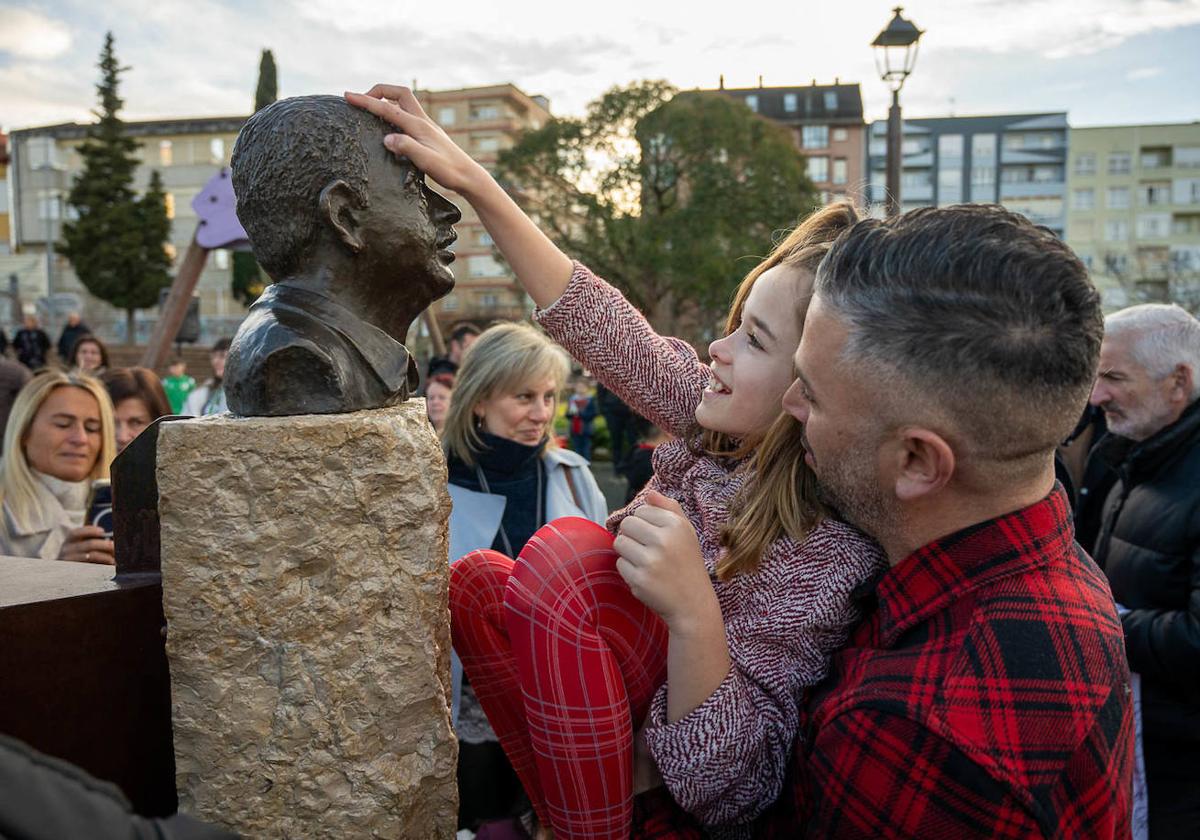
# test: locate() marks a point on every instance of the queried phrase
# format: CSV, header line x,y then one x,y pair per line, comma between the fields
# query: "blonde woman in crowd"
x,y
59,438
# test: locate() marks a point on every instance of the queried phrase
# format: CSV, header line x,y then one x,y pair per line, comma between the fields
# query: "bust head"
x,y
320,197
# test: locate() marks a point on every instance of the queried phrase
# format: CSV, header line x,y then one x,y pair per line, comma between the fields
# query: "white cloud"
x,y
27,34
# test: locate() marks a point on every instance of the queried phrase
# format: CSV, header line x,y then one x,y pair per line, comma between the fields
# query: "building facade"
x,y
43,164
1134,210
5,247
827,124
484,121
1018,160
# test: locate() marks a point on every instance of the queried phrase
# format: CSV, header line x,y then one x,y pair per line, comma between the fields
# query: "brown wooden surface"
x,y
175,308
83,673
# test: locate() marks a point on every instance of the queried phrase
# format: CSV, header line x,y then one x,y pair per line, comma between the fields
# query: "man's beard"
x,y
849,486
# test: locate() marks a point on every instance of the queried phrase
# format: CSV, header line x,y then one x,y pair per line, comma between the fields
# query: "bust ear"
x,y
339,208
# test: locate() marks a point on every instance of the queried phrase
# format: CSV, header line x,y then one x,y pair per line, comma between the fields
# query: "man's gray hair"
x,y
1164,336
979,315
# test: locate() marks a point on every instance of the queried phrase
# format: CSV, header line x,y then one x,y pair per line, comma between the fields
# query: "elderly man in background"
x,y
1149,539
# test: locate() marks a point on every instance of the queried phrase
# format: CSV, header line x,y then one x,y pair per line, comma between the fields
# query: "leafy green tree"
x,y
673,198
247,282
117,243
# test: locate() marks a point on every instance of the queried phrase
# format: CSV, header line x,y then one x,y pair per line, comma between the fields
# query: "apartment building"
x,y
484,121
1018,160
827,124
1134,214
5,247
43,164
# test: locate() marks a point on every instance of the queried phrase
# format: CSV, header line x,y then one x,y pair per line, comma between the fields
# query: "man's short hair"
x,y
974,314
284,156
1164,335
463,330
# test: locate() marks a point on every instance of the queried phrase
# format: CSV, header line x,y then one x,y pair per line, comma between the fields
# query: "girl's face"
x,y
64,438
87,356
437,402
524,416
752,366
131,415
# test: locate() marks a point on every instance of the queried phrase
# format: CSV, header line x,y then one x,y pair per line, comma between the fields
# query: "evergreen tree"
x,y
268,90
116,244
247,282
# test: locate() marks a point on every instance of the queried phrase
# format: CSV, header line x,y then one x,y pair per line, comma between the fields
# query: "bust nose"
x,y
442,210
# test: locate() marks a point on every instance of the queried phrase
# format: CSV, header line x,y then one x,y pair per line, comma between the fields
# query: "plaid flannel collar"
x,y
933,577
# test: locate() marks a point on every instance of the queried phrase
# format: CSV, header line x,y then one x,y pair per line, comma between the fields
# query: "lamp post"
x,y
52,213
895,56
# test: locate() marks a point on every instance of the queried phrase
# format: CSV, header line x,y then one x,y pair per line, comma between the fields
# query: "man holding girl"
x,y
984,694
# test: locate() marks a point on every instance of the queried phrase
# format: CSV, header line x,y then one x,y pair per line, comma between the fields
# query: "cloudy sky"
x,y
1104,61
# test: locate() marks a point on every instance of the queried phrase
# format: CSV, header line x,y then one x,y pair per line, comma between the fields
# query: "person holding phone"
x,y
58,441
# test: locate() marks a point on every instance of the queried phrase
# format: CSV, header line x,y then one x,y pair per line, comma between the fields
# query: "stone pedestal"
x,y
305,590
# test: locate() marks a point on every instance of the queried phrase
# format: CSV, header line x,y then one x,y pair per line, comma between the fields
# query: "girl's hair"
x,y
501,361
18,486
88,338
780,497
137,383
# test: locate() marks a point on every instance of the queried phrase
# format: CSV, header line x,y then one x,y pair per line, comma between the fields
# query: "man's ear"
x,y
339,209
925,463
1183,380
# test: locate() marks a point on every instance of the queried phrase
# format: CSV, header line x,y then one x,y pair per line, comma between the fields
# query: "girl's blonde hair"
x,y
18,486
780,497
501,361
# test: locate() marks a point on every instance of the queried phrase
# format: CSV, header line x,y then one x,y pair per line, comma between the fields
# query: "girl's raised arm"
x,y
540,267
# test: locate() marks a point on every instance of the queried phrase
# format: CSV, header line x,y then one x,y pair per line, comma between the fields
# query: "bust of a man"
x,y
357,246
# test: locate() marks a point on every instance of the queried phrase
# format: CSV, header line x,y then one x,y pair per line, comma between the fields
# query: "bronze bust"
x,y
357,246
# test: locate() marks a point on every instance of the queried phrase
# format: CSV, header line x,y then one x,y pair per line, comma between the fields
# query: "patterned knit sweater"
x,y
725,761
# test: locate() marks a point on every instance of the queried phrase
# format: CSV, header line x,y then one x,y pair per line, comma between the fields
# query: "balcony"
x,y
1033,189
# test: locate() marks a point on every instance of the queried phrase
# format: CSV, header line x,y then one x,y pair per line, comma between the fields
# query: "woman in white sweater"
x,y
59,438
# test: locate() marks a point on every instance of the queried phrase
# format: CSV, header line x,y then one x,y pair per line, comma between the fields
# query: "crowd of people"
x,y
64,420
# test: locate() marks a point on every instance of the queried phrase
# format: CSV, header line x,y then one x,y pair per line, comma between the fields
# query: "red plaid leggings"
x,y
564,660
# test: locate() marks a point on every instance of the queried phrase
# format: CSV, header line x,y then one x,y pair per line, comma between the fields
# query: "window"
x,y
1186,190
483,266
1085,163
485,112
1153,225
1117,198
1116,263
169,204
1187,156
950,169
447,116
790,103
840,135
166,154
216,150
221,259
43,153
914,180
814,137
49,207
1116,230
489,300
983,167
487,144
485,238
839,170
3,197
1083,199
831,100
912,147
752,102
1155,158
450,302
1120,163
818,168
1155,194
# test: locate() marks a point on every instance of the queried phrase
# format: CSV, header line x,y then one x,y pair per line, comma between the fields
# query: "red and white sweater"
x,y
725,761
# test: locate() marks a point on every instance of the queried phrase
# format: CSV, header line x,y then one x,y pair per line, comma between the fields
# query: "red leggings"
x,y
564,660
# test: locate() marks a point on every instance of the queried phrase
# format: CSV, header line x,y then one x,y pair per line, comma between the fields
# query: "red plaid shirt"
x,y
986,694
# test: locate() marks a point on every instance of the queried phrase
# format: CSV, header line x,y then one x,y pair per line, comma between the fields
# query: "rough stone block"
x,y
305,590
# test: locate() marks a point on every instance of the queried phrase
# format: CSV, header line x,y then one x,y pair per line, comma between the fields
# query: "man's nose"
x,y
1099,394
794,402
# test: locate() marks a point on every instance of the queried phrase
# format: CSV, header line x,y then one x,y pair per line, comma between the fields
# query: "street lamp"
x,y
52,215
895,56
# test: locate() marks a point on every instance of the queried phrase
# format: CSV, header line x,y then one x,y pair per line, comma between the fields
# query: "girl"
x,y
740,580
